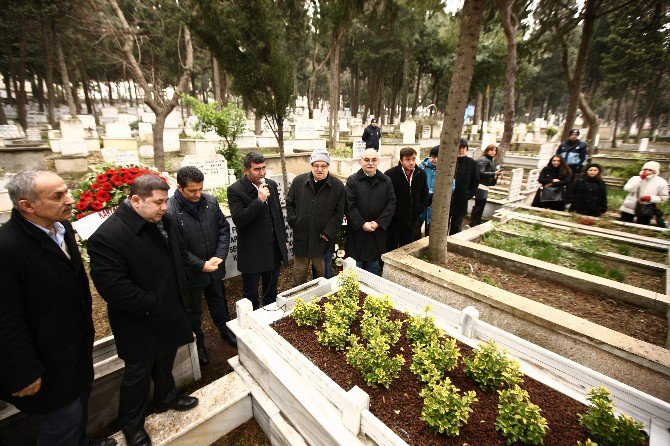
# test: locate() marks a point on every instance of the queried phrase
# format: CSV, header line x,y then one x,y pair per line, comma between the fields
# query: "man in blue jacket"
x,y
573,151
429,166
206,233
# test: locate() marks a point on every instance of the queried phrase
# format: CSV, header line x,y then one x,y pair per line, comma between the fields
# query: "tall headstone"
x,y
359,148
425,132
515,183
72,141
532,181
644,144
408,129
117,130
547,150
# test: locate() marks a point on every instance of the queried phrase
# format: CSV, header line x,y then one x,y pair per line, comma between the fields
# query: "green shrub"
x,y
551,131
588,442
336,326
606,428
490,367
519,420
374,361
431,361
306,313
444,410
421,329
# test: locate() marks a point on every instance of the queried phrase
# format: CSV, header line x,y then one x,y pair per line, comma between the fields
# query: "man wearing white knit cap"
x,y
645,191
314,209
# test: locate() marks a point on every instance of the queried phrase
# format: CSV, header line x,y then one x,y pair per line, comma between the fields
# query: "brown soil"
x,y
248,434
619,316
400,406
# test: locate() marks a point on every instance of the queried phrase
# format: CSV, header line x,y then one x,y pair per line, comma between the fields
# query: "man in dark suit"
x,y
46,329
206,233
466,180
137,264
372,135
411,194
261,231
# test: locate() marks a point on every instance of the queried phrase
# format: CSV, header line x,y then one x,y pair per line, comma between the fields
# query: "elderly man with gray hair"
x,y
46,329
314,209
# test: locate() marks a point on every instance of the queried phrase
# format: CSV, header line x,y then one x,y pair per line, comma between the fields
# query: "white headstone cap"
x,y
319,155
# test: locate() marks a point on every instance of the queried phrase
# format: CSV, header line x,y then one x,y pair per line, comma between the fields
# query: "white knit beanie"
x,y
652,165
321,155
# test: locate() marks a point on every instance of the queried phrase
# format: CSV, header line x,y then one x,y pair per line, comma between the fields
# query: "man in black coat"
x,y
206,234
46,329
261,231
138,260
466,180
410,186
314,209
369,205
372,134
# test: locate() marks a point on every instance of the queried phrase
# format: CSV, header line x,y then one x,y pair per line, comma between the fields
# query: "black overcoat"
x,y
254,225
588,197
142,278
46,328
410,201
311,213
466,180
368,200
205,236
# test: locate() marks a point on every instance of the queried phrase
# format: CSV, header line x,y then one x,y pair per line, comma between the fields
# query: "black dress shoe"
x,y
137,438
102,442
203,357
181,404
229,337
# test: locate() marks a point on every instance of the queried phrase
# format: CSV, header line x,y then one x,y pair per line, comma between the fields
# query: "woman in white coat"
x,y
645,191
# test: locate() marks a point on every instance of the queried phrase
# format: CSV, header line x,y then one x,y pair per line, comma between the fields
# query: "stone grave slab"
x,y
359,148
9,131
120,157
33,134
515,183
72,141
547,150
88,121
117,130
425,132
408,130
214,167
532,181
644,144
146,151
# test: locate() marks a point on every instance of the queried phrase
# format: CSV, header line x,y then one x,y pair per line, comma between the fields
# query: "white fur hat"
x,y
652,165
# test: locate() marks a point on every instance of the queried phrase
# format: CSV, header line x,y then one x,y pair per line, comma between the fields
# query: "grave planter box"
x,y
198,146
72,164
325,414
119,143
637,363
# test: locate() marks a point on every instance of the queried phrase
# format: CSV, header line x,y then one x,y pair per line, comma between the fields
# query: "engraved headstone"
x,y
515,183
214,167
120,157
359,148
72,141
644,144
408,130
425,132
532,181
547,150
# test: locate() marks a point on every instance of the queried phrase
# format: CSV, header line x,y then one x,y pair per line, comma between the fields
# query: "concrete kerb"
x,y
635,362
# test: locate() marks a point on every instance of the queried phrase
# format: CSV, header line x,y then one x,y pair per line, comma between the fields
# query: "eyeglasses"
x,y
320,166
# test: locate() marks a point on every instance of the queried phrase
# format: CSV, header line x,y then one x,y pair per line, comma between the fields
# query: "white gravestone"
x,y
408,130
644,144
144,128
117,130
149,117
9,132
359,148
120,157
72,141
306,129
88,121
33,134
532,181
515,183
547,150
596,140
425,132
110,113
214,167
147,151
171,139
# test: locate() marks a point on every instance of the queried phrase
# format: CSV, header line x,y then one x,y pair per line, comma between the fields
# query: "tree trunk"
x,y
405,84
159,129
216,79
510,25
282,153
479,102
109,90
616,121
7,80
575,80
417,88
3,116
468,41
592,119
84,80
258,128
21,98
630,114
334,86
63,71
487,103
75,96
355,93
102,96
40,94
529,109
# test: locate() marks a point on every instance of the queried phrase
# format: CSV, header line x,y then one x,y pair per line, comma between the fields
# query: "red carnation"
x,y
122,170
117,180
80,216
95,186
101,178
110,171
128,178
107,186
86,195
82,205
103,196
134,170
96,205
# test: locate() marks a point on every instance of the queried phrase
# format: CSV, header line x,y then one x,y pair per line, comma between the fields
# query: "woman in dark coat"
x,y
556,174
588,194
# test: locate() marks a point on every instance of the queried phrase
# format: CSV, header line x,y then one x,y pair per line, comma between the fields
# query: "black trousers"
x,y
477,212
134,392
250,282
455,224
625,216
395,238
215,295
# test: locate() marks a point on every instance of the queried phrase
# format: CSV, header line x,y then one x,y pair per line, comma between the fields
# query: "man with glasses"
x,y
370,204
314,209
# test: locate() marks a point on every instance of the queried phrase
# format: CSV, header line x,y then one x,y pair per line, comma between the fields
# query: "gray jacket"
x,y
205,237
